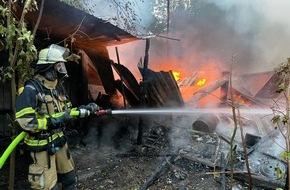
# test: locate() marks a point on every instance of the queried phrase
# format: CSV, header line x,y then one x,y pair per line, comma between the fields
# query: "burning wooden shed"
x,y
91,78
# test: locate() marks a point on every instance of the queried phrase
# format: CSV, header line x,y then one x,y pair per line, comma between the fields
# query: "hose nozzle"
x,y
103,112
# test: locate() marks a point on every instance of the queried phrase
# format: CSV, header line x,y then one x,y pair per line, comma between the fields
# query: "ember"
x,y
201,82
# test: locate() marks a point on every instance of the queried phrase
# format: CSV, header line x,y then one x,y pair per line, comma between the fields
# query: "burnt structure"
x,y
161,88
85,35
91,78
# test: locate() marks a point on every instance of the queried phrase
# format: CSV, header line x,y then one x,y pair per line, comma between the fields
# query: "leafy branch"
x,y
17,39
282,119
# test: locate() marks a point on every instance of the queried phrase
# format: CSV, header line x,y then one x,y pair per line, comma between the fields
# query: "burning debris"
x,y
158,84
210,133
212,150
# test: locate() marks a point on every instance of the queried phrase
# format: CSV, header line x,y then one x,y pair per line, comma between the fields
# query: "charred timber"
x,y
129,96
160,170
128,78
162,89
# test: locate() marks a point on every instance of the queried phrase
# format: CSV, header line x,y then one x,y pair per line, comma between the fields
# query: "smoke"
x,y
250,34
222,29
263,27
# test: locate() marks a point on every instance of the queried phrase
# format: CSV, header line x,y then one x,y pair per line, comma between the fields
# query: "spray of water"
x,y
190,111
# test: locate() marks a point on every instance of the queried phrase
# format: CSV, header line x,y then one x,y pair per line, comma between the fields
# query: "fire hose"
x,y
82,113
22,135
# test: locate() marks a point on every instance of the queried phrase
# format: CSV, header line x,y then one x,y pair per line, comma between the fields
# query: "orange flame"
x,y
176,75
201,82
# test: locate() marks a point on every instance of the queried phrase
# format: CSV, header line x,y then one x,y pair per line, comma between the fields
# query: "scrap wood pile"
x,y
205,154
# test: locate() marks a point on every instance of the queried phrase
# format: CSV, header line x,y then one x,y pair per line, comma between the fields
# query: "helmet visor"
x,y
52,55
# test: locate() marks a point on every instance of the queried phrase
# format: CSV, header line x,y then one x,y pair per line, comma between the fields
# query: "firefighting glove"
x,y
59,120
92,107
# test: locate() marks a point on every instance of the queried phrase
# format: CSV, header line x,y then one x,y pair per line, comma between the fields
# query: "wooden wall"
x,y
5,97
5,101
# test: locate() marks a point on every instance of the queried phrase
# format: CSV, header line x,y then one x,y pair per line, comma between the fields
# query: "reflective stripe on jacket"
x,y
34,106
33,141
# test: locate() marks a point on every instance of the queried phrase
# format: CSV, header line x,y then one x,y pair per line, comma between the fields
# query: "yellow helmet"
x,y
53,54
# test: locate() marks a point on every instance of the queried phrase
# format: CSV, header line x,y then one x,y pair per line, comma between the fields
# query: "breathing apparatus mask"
x,y
51,62
60,70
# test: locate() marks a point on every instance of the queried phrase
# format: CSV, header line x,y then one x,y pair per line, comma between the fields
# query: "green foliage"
x,y
279,173
281,87
13,32
6,73
4,11
283,71
276,119
285,155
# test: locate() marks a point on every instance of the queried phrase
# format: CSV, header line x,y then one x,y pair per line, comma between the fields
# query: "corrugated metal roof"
x,y
254,82
60,21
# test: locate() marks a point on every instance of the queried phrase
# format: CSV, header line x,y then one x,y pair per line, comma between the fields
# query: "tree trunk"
x,y
13,154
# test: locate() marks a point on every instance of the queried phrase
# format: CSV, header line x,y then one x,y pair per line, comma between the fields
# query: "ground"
x,y
110,159
131,172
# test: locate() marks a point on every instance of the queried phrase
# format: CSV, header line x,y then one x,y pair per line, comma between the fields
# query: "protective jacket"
x,y
38,102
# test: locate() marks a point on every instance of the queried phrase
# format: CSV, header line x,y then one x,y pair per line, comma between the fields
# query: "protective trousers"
x,y
59,173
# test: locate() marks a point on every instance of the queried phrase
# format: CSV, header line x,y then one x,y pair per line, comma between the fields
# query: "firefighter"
x,y
43,112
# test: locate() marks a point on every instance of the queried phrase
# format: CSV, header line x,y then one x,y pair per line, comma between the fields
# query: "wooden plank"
x,y
159,171
163,89
154,96
128,78
1,96
129,96
7,99
100,59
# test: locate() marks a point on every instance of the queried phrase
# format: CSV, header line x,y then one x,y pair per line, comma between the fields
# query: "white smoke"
x,y
255,31
265,24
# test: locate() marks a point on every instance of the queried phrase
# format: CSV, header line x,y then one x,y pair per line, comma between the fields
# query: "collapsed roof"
x,y
257,88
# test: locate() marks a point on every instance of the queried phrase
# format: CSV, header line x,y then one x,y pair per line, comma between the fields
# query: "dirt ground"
x,y
108,158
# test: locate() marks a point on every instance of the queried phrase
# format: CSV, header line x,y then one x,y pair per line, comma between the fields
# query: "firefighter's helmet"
x,y
53,54
51,62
